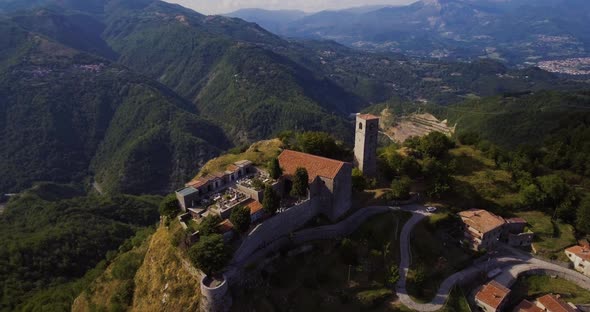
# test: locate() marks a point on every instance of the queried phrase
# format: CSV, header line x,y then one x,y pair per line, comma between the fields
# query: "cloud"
x,y
226,6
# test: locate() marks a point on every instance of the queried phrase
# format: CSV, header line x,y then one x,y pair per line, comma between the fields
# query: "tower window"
x,y
360,126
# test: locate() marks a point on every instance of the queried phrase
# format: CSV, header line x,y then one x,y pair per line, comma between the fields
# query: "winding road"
x,y
513,263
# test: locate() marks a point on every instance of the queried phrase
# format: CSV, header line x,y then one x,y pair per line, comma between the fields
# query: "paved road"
x,y
513,263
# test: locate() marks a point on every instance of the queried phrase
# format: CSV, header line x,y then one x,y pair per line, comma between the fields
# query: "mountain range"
x,y
136,95
513,31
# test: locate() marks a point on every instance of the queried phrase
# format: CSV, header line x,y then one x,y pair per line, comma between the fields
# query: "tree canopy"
x,y
209,224
300,183
240,218
210,254
274,168
271,201
169,206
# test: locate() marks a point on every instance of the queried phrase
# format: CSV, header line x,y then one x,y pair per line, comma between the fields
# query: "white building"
x,y
580,256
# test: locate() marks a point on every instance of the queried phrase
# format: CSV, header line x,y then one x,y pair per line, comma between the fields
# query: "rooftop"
x,y
492,294
367,116
254,206
198,182
527,306
481,220
225,226
516,220
187,191
554,304
580,251
315,165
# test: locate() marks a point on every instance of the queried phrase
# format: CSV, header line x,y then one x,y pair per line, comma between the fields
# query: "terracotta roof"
x,y
254,206
516,220
218,174
481,220
580,251
225,226
232,168
315,165
198,182
492,294
554,304
243,163
367,116
527,306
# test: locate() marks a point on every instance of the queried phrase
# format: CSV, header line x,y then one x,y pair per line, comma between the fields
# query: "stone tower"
x,y
365,144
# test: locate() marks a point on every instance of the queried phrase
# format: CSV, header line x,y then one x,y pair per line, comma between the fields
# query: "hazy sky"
x,y
226,6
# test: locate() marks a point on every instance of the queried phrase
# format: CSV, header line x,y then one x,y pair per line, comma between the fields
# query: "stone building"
x,y
365,144
482,229
580,256
552,303
492,297
516,233
330,182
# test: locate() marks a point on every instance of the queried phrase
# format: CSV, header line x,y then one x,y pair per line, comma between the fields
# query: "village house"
x,y
527,306
197,190
552,303
516,233
330,182
491,297
580,257
482,229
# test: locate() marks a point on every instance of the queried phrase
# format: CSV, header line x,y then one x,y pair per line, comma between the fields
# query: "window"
x,y
360,126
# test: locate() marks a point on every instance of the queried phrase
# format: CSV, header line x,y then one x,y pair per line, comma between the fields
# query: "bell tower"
x,y
365,144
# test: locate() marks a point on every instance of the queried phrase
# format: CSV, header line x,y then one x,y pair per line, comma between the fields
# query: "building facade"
x,y
365,144
580,257
482,229
330,181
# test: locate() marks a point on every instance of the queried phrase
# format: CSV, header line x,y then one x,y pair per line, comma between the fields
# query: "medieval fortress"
x,y
330,190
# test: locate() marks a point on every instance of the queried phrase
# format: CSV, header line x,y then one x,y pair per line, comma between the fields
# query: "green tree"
x,y
240,218
393,275
274,168
209,224
400,188
321,144
300,183
531,195
169,206
583,216
271,201
359,183
555,190
435,144
209,254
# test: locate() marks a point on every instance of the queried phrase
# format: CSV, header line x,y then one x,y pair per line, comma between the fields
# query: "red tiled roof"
x,y
198,182
527,306
492,294
315,165
580,251
232,168
516,220
225,226
553,304
254,206
367,117
481,220
218,174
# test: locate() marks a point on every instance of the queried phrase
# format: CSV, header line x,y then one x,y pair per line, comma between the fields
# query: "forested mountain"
x,y
514,31
137,93
63,110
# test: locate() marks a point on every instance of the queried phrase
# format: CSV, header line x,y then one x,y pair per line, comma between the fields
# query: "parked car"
x,y
431,209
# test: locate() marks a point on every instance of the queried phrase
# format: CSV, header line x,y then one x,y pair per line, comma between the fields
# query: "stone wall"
x,y
215,298
274,228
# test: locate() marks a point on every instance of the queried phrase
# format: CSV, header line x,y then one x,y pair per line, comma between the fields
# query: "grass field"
x,y
478,183
550,237
260,153
319,280
436,254
532,287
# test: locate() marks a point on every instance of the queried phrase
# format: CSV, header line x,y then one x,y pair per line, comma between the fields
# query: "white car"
x,y
431,209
